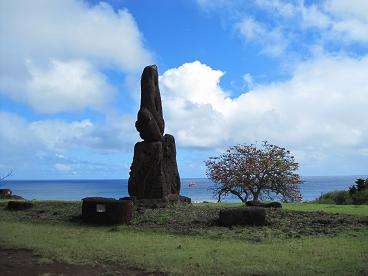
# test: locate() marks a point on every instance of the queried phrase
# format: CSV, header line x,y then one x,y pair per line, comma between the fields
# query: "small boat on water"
x,y
192,184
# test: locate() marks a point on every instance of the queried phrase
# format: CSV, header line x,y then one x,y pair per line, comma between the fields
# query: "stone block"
x,y
273,204
98,210
242,216
152,203
19,205
185,199
154,172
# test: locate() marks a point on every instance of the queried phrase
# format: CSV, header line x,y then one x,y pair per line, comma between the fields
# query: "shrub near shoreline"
x,y
357,194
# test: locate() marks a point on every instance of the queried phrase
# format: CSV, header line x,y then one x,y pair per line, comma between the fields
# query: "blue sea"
x,y
311,189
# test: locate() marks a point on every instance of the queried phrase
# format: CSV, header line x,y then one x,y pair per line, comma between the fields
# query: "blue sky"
x,y
290,72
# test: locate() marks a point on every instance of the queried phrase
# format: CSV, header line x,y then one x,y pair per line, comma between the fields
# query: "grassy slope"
x,y
356,210
347,253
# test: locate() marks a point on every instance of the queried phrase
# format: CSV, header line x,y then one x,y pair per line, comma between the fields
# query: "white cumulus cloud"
x,y
322,108
63,167
60,135
69,44
279,25
271,39
39,148
194,104
67,86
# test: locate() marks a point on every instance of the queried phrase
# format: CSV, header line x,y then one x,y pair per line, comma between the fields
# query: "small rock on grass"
x,y
242,216
19,205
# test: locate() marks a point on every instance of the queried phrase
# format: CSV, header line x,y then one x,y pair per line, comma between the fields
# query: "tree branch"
x,y
6,176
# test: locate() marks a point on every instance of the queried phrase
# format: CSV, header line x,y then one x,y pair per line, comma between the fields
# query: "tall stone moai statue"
x,y
154,172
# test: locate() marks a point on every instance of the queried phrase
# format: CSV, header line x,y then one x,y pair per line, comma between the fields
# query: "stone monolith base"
x,y
154,172
153,203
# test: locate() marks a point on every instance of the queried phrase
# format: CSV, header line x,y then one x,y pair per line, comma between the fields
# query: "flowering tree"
x,y
247,171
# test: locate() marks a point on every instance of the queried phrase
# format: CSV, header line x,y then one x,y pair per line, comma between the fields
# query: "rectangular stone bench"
x,y
100,210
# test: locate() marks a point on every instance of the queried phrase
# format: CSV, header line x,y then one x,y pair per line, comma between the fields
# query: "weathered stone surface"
x,y
146,178
154,172
99,210
185,199
19,205
163,202
273,204
170,167
150,122
242,216
152,203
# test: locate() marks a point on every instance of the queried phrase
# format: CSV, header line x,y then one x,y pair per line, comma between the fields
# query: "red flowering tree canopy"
x,y
248,171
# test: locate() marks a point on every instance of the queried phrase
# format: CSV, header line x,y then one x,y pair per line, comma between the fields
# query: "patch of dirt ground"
x,y
25,262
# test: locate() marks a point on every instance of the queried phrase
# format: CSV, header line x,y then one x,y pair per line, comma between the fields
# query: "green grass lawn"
x,y
357,210
50,228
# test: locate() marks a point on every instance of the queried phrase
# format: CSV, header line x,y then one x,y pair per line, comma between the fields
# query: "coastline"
x,y
116,188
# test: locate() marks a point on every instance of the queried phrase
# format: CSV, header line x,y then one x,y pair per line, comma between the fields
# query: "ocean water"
x,y
311,189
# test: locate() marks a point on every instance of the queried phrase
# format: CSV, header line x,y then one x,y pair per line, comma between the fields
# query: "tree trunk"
x,y
255,196
238,195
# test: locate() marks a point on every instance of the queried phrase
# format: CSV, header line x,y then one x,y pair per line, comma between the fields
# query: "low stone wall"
x,y
98,210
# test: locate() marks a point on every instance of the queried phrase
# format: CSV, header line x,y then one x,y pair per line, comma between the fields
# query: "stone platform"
x,y
153,203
